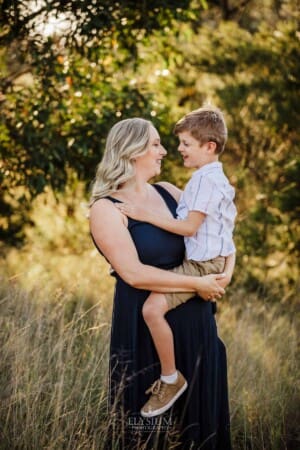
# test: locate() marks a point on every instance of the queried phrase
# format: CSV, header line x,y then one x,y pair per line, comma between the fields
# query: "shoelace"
x,y
157,388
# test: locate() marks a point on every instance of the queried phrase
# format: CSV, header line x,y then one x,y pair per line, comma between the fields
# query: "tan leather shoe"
x,y
163,396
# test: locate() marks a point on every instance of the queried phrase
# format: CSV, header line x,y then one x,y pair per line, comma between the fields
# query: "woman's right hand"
x,y
208,287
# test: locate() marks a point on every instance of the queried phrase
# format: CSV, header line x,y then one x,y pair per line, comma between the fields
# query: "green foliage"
x,y
77,86
62,92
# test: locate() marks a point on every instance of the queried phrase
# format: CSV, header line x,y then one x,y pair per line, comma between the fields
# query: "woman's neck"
x,y
137,189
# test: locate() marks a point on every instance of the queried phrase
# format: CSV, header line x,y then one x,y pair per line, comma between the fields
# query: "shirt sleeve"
x,y
206,197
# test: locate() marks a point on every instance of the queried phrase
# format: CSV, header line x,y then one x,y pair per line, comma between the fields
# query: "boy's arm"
x,y
184,227
228,270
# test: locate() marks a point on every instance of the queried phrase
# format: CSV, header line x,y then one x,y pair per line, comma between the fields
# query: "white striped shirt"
x,y
209,192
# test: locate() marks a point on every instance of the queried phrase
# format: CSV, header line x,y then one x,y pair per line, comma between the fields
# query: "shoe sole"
x,y
165,408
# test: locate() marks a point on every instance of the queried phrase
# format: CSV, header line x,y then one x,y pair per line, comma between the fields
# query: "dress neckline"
x,y
163,192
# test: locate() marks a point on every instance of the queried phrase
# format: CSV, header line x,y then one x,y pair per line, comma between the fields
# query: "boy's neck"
x,y
211,160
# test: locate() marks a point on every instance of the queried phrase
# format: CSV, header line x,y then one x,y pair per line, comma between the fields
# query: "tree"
x,y
117,61
61,92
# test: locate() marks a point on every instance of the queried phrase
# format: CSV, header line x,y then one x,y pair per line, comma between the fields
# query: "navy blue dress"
x,y
200,418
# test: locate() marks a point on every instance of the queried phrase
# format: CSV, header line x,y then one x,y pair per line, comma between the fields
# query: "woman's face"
x,y
150,162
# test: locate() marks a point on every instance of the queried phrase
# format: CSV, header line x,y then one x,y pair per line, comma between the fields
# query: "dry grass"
x,y
261,345
55,306
53,371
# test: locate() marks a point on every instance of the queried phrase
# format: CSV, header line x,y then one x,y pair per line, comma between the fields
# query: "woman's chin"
x,y
153,174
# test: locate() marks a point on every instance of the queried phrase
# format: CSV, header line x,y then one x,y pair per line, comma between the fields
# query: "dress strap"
x,y
113,199
168,198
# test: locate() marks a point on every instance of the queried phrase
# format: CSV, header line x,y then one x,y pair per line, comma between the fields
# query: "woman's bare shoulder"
x,y
103,211
100,205
171,188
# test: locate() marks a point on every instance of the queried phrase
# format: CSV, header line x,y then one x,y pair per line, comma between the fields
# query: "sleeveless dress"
x,y
200,417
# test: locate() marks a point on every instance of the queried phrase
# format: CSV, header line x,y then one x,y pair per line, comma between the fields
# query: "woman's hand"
x,y
224,282
209,288
136,212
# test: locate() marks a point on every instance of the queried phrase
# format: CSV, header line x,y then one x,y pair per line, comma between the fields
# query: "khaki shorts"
x,y
194,268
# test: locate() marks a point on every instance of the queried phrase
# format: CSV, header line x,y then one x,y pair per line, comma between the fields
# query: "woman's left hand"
x,y
224,282
209,288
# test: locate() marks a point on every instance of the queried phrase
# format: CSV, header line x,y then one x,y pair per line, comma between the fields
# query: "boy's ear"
x,y
211,146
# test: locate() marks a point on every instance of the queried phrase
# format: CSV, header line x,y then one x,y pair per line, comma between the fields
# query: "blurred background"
x,y
71,69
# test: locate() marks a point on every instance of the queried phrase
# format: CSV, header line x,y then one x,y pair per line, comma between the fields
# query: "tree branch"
x,y
5,83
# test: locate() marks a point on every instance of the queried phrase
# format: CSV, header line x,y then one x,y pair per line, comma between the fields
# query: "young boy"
x,y
206,214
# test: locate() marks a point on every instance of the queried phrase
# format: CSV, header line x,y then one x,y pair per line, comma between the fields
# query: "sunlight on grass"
x,y
262,363
59,257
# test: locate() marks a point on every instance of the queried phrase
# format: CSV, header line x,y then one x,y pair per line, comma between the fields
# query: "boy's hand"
x,y
140,213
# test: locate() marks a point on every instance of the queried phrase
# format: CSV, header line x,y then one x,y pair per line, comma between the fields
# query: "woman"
x,y
138,252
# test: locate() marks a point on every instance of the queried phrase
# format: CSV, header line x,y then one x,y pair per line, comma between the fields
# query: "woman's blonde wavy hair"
x,y
126,140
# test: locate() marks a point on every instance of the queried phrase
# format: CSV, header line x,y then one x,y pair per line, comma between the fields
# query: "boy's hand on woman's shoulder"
x,y
134,211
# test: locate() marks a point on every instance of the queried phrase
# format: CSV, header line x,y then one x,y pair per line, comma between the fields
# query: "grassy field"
x,y
55,306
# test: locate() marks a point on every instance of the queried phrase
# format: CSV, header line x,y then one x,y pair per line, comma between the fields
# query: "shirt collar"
x,y
208,167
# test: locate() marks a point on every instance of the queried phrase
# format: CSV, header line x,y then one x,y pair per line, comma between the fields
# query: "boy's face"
x,y
195,155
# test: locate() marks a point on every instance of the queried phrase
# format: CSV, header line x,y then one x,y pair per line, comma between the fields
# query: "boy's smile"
x,y
193,153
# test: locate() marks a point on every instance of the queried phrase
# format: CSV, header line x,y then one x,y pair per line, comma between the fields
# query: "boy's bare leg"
x,y
154,310
171,385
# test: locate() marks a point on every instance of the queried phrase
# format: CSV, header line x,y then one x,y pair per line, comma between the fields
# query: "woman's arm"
x,y
112,237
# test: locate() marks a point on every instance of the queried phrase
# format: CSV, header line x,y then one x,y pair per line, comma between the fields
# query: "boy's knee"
x,y
151,311
155,307
148,311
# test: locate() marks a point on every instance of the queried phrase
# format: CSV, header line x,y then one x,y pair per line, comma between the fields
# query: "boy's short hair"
x,y
205,124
